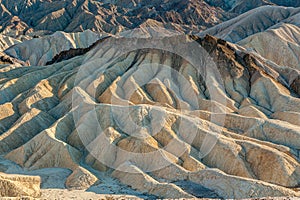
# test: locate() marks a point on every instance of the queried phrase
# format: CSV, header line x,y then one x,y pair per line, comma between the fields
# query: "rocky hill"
x,y
46,48
269,31
279,44
241,6
149,118
254,21
33,17
26,19
161,99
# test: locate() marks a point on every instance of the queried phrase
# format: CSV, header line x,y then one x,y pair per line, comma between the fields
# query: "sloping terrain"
x,y
254,21
130,105
47,47
279,44
16,186
241,6
24,20
152,118
6,42
34,18
270,31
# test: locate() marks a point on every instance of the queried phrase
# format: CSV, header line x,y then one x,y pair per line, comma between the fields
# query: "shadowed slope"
x,y
142,124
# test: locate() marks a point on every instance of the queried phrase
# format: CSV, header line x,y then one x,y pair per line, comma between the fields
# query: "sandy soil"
x,y
60,194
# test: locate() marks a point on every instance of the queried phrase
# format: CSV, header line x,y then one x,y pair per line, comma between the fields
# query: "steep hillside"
x,y
39,51
241,6
6,42
149,118
150,99
254,21
38,17
279,44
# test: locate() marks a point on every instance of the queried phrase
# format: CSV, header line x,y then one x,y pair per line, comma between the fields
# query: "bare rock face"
x,y
19,186
150,118
217,181
47,47
254,21
80,179
30,19
291,117
137,179
279,44
268,31
241,6
25,20
152,109
6,42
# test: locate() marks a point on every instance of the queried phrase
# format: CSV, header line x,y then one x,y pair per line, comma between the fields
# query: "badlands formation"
x,y
149,113
148,118
24,20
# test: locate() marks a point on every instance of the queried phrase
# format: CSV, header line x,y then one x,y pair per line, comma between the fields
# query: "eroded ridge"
x,y
146,117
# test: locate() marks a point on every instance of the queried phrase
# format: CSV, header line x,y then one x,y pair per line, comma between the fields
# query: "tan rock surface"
x,y
137,179
146,125
81,195
238,187
49,46
279,44
255,21
19,186
80,179
29,19
6,42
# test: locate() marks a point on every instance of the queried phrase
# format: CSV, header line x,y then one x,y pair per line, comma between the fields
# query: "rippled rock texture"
x,y
153,113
